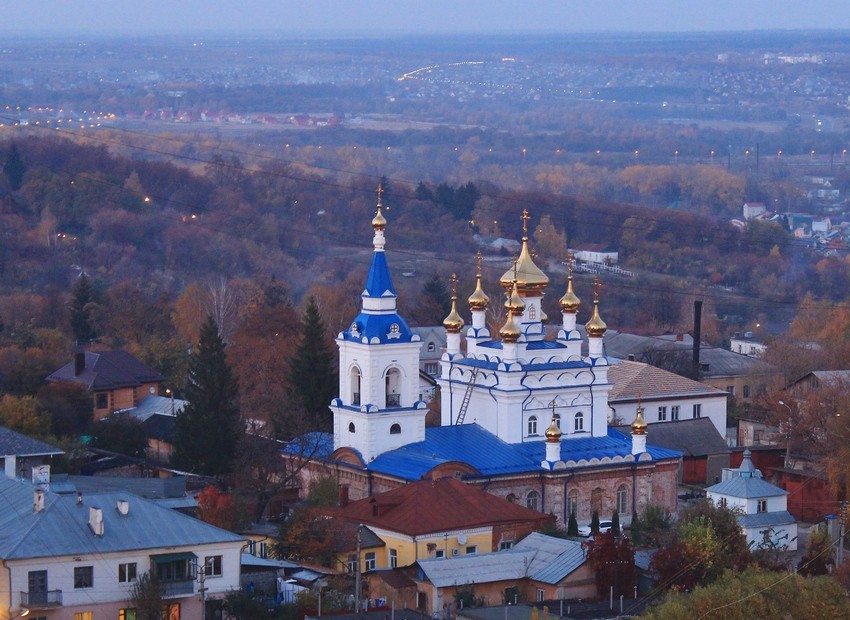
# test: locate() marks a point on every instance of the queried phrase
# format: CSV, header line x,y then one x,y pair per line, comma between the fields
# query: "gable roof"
x,y
695,437
62,527
13,443
634,380
108,370
434,506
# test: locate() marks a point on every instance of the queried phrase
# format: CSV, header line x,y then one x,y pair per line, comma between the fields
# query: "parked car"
x,y
604,527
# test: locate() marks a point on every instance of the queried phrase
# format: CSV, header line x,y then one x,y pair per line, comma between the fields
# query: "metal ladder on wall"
x,y
464,405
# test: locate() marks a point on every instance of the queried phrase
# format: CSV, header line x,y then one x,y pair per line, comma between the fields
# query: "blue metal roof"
x,y
535,345
489,455
762,519
379,326
378,282
747,487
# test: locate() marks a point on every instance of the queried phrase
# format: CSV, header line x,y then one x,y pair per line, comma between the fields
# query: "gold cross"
x,y
380,191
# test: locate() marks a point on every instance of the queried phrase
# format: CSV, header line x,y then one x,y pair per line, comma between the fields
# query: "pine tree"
x,y
82,296
14,168
208,428
312,373
594,522
615,523
572,525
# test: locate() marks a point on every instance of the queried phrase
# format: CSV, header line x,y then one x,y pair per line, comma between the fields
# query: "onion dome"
x,y
510,332
379,222
453,323
527,275
478,300
596,327
553,433
569,302
639,425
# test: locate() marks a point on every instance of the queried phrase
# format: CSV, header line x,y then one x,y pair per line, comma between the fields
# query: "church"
x,y
523,417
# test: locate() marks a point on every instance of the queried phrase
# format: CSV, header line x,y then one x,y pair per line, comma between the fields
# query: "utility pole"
x,y
357,575
202,590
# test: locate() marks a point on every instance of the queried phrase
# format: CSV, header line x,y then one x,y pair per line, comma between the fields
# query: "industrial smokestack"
x,y
697,336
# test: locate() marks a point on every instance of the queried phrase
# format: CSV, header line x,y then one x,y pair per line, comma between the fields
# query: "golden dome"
x,y
553,433
510,332
478,300
514,304
527,275
379,222
453,323
569,302
639,425
596,327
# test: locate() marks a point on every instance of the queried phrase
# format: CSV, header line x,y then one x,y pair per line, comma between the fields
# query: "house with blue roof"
x,y
763,506
80,556
523,416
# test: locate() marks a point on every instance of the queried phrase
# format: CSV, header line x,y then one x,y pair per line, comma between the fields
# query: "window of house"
x,y
127,614
101,400
395,429
572,502
746,391
126,572
579,422
212,564
393,558
83,577
532,499
662,414
370,560
171,611
351,427
730,389
762,505
723,502
532,425
674,412
697,411
765,536
472,550
623,499
440,553
541,595
83,615
351,563
432,367
262,549
505,545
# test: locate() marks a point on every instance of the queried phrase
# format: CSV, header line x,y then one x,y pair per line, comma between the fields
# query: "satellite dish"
x,y
461,539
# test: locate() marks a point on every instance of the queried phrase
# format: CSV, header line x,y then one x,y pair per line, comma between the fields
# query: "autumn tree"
x,y
208,428
311,372
221,509
613,559
24,414
308,534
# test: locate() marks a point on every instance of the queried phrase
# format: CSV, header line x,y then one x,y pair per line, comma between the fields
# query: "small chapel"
x,y
523,416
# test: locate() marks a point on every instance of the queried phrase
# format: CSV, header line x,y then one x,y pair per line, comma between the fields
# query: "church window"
x,y
355,386
623,499
351,427
393,387
532,313
432,347
395,429
532,425
532,499
572,502
579,422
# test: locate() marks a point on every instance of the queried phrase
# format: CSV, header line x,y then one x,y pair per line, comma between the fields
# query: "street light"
x,y
788,434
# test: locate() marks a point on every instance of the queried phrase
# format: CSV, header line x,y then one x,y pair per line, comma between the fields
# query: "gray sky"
x,y
426,16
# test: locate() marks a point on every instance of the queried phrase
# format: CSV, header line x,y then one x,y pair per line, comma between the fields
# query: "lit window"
x,y
84,615
126,572
579,422
395,429
212,564
532,425
532,499
83,577
127,614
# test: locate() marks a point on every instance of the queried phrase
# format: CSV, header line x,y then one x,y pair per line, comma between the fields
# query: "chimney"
x,y
38,501
79,498
79,362
96,520
123,507
697,337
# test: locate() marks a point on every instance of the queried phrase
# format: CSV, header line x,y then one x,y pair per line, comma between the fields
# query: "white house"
x,y
73,557
596,253
765,519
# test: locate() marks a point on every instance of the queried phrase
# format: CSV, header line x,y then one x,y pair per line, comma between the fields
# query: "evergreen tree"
x,y
82,296
572,525
615,523
208,428
14,168
312,373
594,522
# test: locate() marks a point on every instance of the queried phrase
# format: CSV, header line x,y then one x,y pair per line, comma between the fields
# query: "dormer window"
x,y
395,331
354,330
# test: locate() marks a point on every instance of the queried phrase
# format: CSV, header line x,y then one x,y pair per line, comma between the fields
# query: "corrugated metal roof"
x,y
762,519
554,558
746,487
62,527
694,437
153,404
13,443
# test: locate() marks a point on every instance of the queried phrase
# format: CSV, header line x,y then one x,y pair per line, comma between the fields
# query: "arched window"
x,y
532,425
532,313
395,429
532,500
511,498
393,391
351,427
623,499
557,418
572,503
579,423
355,386
746,391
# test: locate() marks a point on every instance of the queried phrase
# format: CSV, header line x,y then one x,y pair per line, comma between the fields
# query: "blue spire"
x,y
378,282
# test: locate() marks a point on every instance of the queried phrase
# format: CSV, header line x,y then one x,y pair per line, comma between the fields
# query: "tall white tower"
x,y
378,407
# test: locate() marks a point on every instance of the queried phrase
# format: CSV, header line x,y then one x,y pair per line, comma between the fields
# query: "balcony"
x,y
41,600
177,588
393,400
